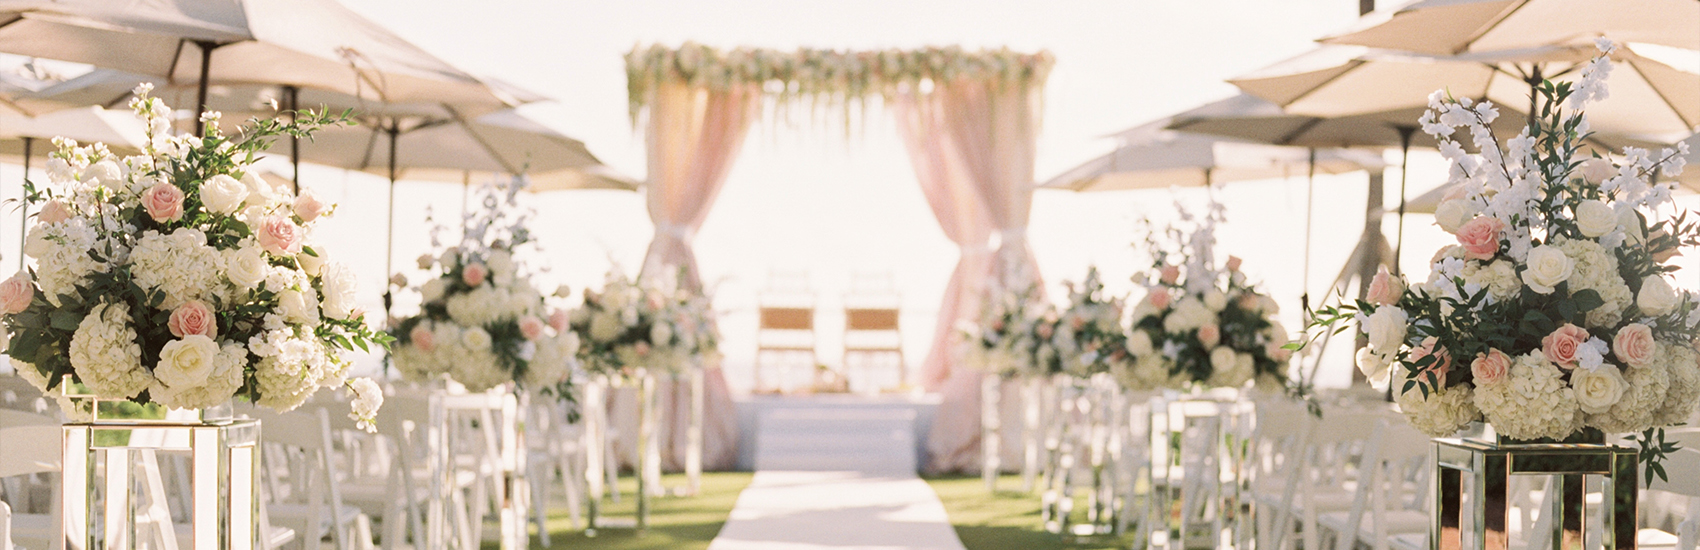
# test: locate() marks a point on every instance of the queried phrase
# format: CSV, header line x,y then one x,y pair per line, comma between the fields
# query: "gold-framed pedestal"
x,y
105,462
598,469
1489,464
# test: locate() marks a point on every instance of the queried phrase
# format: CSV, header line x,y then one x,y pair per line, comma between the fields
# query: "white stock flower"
x,y
1547,268
222,194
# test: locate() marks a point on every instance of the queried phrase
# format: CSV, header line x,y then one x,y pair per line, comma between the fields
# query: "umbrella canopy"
x,y
119,130
1651,101
1170,158
1447,27
309,44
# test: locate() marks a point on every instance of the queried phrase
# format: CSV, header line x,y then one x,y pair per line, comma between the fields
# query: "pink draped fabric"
x,y
693,136
972,143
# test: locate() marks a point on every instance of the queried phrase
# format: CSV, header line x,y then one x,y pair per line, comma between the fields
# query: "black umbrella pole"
x,y
292,95
389,231
201,88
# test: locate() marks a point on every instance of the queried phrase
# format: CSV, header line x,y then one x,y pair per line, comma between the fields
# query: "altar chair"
x,y
872,331
785,328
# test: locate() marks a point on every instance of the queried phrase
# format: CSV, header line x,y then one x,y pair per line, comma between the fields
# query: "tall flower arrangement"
x,y
483,322
1089,338
180,277
1553,313
1014,335
655,326
1200,323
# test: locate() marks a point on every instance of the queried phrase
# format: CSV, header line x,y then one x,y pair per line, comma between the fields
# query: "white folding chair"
x,y
32,447
313,506
1682,469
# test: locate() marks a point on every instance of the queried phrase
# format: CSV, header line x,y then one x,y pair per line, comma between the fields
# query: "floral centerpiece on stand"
x,y
1089,338
180,277
482,321
1553,314
655,326
1013,338
1202,324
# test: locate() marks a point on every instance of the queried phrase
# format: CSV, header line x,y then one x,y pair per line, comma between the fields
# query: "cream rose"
x,y
1223,359
1139,344
16,293
246,267
222,194
311,264
1451,215
340,291
187,362
1656,297
475,339
260,193
1597,390
1375,366
1215,300
1594,218
163,202
1597,170
1547,267
432,290
296,307
1634,345
1630,221
1386,329
193,318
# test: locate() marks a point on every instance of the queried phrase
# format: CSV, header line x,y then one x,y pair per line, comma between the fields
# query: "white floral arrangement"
x,y
655,326
1089,338
1553,315
1013,337
182,278
839,75
1201,324
482,322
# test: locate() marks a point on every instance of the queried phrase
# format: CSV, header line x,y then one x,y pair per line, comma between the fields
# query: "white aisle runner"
x,y
837,478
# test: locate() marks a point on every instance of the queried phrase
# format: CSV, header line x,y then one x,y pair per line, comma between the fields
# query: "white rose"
x,y
1386,329
223,194
1597,170
297,307
1215,300
1656,297
661,334
312,265
245,267
259,192
1377,368
1139,344
1223,359
1547,267
1269,305
475,339
1598,389
1594,218
433,290
340,298
1451,215
187,362
1631,224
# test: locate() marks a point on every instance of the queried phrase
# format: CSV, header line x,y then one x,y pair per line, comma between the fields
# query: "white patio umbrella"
x,y
1651,101
1447,27
300,44
1169,158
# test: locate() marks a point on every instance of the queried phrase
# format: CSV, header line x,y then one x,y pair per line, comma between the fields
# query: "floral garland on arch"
x,y
482,321
1552,314
1014,336
180,277
1201,324
818,73
1089,338
654,326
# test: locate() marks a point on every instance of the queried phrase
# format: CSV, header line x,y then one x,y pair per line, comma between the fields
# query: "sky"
x,y
832,203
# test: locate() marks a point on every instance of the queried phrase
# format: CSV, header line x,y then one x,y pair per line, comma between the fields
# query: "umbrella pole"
x,y
389,231
24,206
1310,204
292,95
1405,133
201,88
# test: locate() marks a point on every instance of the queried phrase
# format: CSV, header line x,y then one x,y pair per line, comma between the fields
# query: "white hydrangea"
x,y
1534,402
179,264
477,369
1499,278
1595,268
61,251
217,386
553,361
105,353
1442,413
480,306
363,408
290,368
1684,393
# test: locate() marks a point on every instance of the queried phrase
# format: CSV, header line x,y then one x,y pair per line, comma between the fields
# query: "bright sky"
x,y
810,198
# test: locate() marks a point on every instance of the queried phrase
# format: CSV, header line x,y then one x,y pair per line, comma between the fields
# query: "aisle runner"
x,y
837,478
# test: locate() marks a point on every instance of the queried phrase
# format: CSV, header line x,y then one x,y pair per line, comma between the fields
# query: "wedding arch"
x,y
969,120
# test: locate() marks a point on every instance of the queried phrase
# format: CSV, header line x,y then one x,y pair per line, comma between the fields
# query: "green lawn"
x,y
674,522
1005,520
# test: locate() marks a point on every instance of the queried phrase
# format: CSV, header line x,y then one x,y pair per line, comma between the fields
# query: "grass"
x,y
674,522
1005,520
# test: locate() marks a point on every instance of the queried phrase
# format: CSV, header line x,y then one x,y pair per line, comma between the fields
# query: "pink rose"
x,y
1159,298
1209,335
1046,330
1278,353
1454,193
559,320
54,212
1634,344
280,236
474,273
1490,367
308,207
1233,263
1442,359
531,327
1560,346
1077,323
1170,274
16,294
1250,301
1480,237
641,348
423,338
1384,290
193,318
164,202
